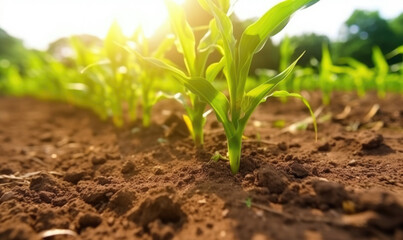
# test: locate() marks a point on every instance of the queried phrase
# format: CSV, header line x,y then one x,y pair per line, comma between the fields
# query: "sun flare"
x,y
54,19
147,14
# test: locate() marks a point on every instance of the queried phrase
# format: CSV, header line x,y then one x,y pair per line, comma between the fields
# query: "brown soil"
x,y
63,168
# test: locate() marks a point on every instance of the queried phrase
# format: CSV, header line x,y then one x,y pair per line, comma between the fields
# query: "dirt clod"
x,y
122,201
298,170
20,231
46,196
128,167
161,208
89,220
370,140
273,179
43,182
74,177
158,170
46,137
324,147
282,146
98,160
330,194
352,163
160,231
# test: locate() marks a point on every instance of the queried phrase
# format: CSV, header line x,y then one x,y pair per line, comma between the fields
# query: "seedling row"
x,y
125,77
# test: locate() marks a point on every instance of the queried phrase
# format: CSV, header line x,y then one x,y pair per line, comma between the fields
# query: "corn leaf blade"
x,y
255,36
258,94
281,94
184,33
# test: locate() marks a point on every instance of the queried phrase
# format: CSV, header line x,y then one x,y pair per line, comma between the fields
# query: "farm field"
x,y
211,128
69,170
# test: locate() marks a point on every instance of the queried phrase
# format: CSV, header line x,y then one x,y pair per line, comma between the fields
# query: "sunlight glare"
x,y
55,19
147,14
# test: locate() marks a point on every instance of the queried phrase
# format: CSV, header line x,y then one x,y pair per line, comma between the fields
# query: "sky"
x,y
39,22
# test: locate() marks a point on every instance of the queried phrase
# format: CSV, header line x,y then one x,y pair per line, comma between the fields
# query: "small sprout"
x,y
248,202
217,156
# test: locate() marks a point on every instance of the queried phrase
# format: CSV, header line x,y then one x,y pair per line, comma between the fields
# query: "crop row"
x,y
125,77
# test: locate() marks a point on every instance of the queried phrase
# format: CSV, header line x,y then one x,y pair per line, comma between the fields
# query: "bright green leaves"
x,y
258,94
382,69
255,36
114,52
194,78
237,59
184,34
224,26
224,5
216,99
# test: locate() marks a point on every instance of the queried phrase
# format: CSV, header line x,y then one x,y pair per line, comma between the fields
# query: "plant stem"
x,y
198,124
146,116
234,151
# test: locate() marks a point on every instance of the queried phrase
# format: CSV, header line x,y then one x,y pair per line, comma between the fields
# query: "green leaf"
x,y
258,94
395,52
114,36
199,86
380,61
216,99
224,26
163,65
296,95
255,36
224,5
209,40
214,69
184,33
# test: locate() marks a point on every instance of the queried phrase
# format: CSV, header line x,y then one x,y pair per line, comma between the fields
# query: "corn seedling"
x,y
146,75
381,69
287,48
235,112
196,67
360,74
110,77
91,86
327,75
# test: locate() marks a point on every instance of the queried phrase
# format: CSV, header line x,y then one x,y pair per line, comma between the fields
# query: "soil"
x,y
65,174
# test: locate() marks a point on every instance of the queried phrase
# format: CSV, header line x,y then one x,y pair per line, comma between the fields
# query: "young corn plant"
x,y
328,75
287,48
108,77
90,87
360,74
147,76
195,59
235,111
381,69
